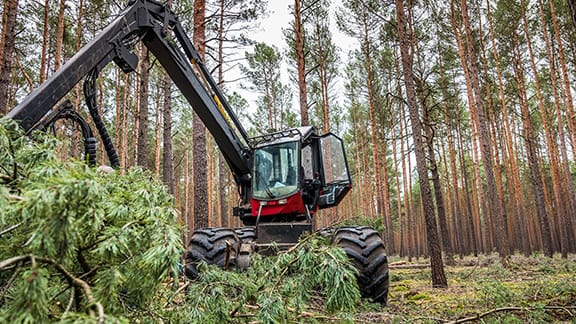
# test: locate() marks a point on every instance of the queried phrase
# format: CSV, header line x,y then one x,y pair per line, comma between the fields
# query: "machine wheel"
x,y
365,248
217,246
246,234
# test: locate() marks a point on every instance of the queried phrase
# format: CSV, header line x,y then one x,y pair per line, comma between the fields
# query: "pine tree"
x,y
438,275
263,71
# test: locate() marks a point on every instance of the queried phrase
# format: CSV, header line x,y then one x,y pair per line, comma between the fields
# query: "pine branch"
x,y
77,282
74,281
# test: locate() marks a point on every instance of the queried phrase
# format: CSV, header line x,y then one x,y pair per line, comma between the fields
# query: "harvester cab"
x,y
295,173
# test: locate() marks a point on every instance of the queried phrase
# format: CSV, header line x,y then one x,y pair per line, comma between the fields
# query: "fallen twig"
x,y
509,309
473,270
9,229
409,266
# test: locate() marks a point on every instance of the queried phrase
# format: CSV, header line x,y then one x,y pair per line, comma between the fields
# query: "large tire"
x,y
218,246
365,248
246,234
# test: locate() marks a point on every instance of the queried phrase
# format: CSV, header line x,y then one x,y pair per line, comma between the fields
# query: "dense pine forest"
x,y
459,126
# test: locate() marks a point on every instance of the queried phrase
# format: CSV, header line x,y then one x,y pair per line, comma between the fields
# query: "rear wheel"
x,y
365,248
218,246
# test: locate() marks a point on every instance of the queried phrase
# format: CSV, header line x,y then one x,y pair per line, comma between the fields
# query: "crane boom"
x,y
161,32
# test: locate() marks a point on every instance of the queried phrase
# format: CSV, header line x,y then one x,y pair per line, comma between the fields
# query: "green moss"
x,y
400,288
419,296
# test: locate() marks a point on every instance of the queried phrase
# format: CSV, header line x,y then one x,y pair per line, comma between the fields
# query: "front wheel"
x,y
218,246
365,248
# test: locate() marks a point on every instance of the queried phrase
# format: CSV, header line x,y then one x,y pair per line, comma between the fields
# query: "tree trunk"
x,y
438,275
444,231
168,155
142,146
123,125
59,36
300,62
200,158
157,132
222,166
45,41
7,46
407,184
440,208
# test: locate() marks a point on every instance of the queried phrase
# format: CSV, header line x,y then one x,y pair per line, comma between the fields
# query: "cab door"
x,y
335,173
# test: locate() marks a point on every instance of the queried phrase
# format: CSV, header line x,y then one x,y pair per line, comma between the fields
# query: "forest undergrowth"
x,y
534,289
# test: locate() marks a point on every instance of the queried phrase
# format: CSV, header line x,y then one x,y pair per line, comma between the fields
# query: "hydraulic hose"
x,y
90,97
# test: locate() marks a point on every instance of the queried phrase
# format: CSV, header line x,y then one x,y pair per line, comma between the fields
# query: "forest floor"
x,y
532,290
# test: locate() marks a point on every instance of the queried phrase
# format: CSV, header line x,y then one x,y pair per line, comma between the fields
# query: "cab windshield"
x,y
276,171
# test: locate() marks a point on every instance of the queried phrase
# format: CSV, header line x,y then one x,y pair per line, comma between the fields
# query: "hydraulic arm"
x,y
161,32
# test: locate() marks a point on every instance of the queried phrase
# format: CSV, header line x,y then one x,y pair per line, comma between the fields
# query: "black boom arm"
x,y
159,29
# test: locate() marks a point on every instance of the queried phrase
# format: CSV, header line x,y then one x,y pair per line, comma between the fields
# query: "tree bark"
x,y
7,46
58,56
45,41
123,142
168,154
300,62
440,209
438,275
223,171
200,157
142,145
157,133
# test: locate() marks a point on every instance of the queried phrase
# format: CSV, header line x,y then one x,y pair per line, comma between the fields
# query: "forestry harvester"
x,y
283,178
